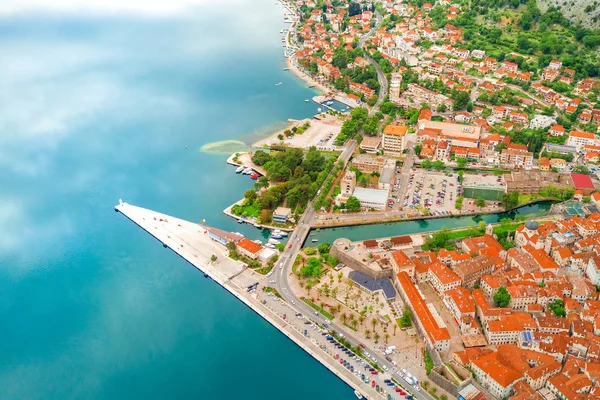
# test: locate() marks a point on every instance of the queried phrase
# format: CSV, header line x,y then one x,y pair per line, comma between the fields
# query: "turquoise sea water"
x,y
97,106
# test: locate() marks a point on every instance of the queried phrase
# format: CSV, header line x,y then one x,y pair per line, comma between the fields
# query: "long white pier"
x,y
190,241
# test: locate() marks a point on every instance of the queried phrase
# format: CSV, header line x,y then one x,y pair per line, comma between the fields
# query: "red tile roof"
x,y
249,245
582,181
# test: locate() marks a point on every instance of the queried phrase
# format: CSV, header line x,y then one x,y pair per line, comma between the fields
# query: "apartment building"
x,y
368,164
394,139
579,139
442,278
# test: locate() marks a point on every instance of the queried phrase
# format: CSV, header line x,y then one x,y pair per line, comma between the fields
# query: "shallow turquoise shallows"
x,y
97,106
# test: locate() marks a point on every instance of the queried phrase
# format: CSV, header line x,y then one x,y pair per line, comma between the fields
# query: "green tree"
x,y
438,165
581,169
459,202
314,160
557,307
480,202
260,157
213,258
502,297
406,318
510,200
277,171
250,196
324,248
353,204
418,149
461,99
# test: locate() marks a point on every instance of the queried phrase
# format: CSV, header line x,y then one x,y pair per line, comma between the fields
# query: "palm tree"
x,y
377,337
339,307
386,337
301,284
354,323
425,384
374,322
344,316
308,287
367,333
350,285
361,319
333,310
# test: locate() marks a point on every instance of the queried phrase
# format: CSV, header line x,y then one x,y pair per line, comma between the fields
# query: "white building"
x,y
372,198
593,270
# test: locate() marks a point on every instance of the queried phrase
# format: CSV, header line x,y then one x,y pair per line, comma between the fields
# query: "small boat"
x,y
240,221
248,171
281,31
358,395
239,169
286,69
307,100
279,232
276,236
315,240
279,83
254,176
257,226
258,241
269,245
273,241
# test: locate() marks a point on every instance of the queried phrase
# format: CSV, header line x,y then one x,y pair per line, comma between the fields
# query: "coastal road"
x,y
383,83
283,271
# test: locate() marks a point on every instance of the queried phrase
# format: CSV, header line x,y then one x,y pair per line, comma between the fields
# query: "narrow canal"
x,y
363,232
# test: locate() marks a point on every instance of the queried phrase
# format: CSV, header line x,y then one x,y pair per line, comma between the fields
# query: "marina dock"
x,y
191,242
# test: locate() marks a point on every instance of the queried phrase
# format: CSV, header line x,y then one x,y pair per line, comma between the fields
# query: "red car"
x,y
362,345
398,390
374,372
341,360
337,356
372,383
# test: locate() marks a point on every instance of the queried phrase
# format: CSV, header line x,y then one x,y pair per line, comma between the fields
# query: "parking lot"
x,y
321,133
430,190
358,366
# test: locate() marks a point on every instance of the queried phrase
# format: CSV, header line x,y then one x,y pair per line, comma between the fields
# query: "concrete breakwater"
x,y
191,242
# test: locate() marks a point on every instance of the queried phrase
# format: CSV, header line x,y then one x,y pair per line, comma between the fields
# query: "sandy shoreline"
x,y
306,78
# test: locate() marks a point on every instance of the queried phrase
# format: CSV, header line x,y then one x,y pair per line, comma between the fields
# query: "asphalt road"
x,y
283,271
383,89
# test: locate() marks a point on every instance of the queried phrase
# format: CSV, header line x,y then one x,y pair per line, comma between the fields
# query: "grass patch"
x,y
264,270
247,210
272,290
319,309
428,362
350,327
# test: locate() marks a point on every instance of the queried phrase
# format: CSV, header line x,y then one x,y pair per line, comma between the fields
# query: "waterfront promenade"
x,y
189,240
